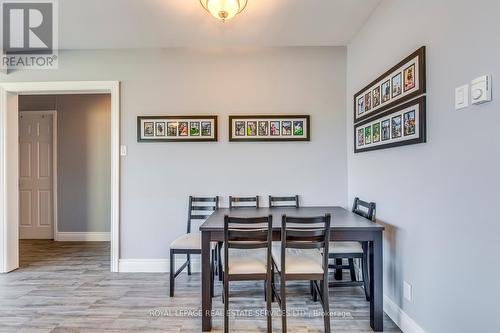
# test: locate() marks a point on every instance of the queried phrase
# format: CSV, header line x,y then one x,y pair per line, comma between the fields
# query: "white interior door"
x,y
36,216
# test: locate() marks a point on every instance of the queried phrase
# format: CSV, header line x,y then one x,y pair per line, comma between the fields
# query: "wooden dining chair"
x,y
353,250
247,257
291,201
200,208
300,257
235,203
243,202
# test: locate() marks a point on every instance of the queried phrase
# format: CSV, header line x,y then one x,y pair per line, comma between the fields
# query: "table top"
x,y
341,219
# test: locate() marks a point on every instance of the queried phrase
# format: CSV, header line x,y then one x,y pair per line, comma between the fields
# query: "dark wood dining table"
x,y
345,226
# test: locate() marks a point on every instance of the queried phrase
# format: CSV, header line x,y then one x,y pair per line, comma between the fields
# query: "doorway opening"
x,y
64,172
59,174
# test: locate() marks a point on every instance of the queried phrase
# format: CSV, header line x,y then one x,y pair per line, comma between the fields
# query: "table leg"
x,y
206,299
376,283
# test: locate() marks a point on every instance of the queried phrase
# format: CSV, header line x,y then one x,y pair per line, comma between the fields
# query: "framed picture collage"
x,y
241,128
269,128
391,111
176,128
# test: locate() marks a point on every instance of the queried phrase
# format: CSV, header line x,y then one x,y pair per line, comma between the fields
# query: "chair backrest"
x,y
200,208
291,201
244,202
305,233
365,209
247,233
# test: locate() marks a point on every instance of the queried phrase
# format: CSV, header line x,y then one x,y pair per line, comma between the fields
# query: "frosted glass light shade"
x,y
224,9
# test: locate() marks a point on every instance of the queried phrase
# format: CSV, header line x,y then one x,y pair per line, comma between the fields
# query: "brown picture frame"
x,y
299,133
405,95
404,138
179,136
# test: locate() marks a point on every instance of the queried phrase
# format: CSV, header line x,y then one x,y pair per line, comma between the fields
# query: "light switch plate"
x,y
123,150
480,89
462,97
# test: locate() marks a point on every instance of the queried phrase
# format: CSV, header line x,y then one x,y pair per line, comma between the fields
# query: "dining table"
x,y
344,226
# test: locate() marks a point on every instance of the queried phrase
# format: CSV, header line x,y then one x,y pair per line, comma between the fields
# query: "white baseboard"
x,y
82,236
400,318
154,265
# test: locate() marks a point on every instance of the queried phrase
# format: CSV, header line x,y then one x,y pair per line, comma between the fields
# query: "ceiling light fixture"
x,y
224,9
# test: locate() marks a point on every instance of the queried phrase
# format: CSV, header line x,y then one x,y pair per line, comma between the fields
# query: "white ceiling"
x,y
99,24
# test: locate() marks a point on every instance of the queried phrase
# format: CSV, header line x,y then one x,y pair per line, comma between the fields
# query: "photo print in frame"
x,y
269,128
400,126
176,128
401,83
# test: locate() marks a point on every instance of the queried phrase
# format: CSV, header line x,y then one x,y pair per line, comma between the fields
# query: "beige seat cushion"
x,y
191,241
252,261
345,247
299,261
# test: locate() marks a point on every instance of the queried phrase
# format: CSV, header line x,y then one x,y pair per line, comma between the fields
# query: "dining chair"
x,y
353,250
291,201
247,257
299,257
244,202
200,208
235,203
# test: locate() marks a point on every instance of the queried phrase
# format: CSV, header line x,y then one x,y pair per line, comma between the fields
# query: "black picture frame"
x,y
295,134
417,58
404,139
168,134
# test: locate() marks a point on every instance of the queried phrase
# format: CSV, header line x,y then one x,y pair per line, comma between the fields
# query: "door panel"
x,y
25,208
36,193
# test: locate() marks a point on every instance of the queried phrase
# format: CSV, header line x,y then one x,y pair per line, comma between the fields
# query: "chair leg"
x,y
219,260
338,271
272,284
314,293
366,278
283,302
226,306
326,305
189,263
172,273
352,270
212,275
269,304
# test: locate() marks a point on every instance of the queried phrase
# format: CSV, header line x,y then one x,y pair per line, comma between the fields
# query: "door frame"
x,y
53,113
9,250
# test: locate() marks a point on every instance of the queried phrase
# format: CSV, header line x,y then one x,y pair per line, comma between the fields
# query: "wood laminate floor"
x,y
67,287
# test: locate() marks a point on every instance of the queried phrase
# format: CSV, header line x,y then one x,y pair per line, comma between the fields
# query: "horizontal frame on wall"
x,y
157,129
300,128
398,93
404,136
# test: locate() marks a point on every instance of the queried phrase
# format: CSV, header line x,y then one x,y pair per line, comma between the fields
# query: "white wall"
x,y
439,199
83,158
156,178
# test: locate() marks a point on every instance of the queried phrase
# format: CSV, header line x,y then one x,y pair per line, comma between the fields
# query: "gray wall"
x,y
438,199
156,178
84,168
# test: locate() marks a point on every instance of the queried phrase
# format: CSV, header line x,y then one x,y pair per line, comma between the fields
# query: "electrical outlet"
x,y
407,293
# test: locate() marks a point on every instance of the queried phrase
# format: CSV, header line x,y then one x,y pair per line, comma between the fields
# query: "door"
x,y
36,205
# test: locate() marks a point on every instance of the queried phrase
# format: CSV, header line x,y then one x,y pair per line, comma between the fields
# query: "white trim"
x,y
155,265
3,177
82,237
400,318
64,87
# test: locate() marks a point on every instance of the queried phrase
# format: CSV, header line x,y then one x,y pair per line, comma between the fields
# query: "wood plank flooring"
x,y
67,287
